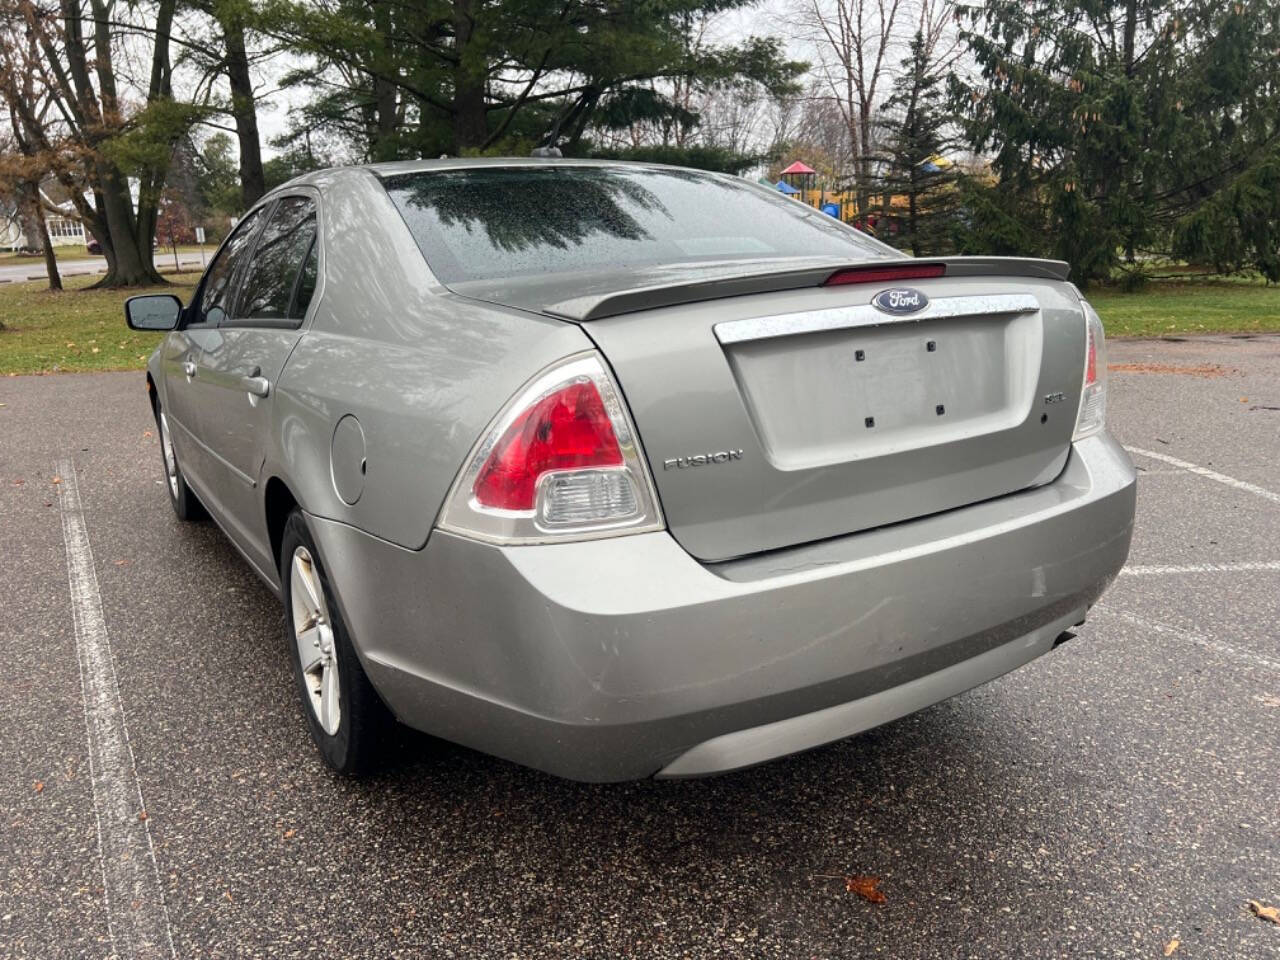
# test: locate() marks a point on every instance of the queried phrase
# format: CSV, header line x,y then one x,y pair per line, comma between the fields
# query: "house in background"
x,y
65,227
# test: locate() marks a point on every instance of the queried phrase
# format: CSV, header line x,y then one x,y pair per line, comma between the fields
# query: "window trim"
x,y
297,281
282,323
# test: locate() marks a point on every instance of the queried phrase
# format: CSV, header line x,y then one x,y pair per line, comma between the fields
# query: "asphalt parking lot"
x,y
1109,799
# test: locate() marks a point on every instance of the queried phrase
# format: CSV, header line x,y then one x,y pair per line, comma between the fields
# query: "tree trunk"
x,y
130,262
133,231
382,136
244,110
29,198
470,123
864,159
913,212
30,217
50,261
1130,35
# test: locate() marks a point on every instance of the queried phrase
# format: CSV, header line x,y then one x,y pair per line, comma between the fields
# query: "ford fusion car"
x,y
622,471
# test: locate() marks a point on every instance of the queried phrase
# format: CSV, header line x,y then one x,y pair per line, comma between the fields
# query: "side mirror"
x,y
154,311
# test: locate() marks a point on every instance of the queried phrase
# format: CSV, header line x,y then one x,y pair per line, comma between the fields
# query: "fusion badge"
x,y
701,459
900,301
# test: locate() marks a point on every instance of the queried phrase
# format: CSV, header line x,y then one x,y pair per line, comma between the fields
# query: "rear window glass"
x,y
493,222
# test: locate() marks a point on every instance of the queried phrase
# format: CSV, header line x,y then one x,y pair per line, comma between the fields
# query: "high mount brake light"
x,y
885,274
1093,392
561,461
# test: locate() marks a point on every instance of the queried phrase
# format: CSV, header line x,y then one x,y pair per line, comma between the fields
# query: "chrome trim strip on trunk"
x,y
865,315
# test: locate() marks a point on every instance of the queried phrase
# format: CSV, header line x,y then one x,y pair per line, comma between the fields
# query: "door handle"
x,y
189,368
255,383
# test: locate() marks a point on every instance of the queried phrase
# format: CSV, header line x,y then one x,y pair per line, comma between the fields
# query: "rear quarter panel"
x,y
422,370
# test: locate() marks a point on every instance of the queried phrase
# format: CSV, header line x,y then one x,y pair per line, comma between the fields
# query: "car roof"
x,y
320,177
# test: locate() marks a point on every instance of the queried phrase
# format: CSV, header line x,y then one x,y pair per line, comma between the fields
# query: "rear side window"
x,y
492,222
215,295
273,274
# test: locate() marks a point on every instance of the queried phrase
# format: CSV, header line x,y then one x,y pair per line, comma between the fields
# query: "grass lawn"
x,y
74,330
1180,307
84,330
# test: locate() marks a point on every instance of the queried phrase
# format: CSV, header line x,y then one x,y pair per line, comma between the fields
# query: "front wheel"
x,y
185,503
347,719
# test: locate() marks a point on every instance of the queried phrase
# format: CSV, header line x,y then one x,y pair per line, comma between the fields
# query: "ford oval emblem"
x,y
900,301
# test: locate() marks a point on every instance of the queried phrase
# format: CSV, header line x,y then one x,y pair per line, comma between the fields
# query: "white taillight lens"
x,y
561,461
1093,396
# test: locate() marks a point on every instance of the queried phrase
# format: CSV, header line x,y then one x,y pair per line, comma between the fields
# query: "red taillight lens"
x,y
885,274
564,430
1091,359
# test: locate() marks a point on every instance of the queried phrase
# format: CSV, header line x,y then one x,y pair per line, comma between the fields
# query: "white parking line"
x,y
1238,654
137,917
1208,474
1150,570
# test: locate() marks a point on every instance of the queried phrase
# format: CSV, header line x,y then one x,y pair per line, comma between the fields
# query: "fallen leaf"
x,y
122,563
57,480
18,483
1265,913
1171,946
142,815
39,786
146,433
868,888
227,896
288,834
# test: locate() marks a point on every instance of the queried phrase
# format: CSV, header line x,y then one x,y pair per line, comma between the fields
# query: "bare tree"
x,y
22,168
69,52
937,25
856,45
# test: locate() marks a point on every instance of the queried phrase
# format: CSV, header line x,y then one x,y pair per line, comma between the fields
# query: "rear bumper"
x,y
624,658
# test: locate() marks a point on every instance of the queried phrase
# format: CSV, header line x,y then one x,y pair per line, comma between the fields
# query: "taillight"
x,y
885,274
560,462
1093,394
566,430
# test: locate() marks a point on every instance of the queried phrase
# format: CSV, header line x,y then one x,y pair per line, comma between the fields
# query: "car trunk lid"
x,y
778,416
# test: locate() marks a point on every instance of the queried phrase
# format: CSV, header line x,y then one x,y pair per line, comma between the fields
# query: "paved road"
x,y
1119,794
17,273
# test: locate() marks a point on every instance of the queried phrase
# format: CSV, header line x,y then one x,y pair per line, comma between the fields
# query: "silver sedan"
x,y
625,470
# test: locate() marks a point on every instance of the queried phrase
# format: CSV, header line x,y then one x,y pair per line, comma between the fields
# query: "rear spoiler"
x,y
615,303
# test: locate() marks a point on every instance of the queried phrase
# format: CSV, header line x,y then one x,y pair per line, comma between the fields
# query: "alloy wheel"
x,y
170,459
313,632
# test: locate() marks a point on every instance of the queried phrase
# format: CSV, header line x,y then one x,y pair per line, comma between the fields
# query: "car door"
x,y
240,364
184,349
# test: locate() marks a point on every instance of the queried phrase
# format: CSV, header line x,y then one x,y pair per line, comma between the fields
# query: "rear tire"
x,y
347,719
185,503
